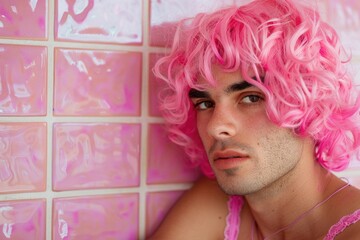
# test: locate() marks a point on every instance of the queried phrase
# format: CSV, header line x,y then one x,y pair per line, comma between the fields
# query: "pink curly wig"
x,y
298,63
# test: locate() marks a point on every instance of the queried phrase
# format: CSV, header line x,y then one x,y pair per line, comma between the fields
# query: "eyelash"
x,y
259,98
198,104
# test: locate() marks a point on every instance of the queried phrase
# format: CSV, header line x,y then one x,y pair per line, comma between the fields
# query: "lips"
x,y
228,155
229,159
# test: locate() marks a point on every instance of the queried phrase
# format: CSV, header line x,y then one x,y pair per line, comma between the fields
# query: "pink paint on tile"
x,y
155,87
23,71
345,17
97,83
99,21
22,157
23,219
165,15
95,155
23,19
354,164
167,162
354,180
158,205
356,71
96,217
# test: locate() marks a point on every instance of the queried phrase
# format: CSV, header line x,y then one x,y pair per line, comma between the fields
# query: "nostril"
x,y
223,131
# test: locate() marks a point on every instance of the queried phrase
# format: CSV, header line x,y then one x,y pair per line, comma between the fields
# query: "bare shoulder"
x,y
352,218
352,230
199,214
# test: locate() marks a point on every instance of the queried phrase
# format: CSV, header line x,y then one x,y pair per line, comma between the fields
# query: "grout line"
x,y
144,120
143,176
83,119
50,88
92,192
84,45
144,125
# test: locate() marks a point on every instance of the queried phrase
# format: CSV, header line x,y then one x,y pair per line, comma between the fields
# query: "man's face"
x,y
246,151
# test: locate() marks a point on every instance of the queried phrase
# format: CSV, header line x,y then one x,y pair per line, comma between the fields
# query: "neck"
x,y
286,208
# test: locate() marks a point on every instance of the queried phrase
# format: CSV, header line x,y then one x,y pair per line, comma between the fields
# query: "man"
x,y
260,99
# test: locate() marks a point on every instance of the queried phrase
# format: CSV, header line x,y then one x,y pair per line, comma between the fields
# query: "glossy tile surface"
x,y
22,157
95,155
166,161
354,164
79,86
355,181
23,219
356,70
165,15
157,206
97,83
155,87
23,19
23,71
96,217
345,17
99,21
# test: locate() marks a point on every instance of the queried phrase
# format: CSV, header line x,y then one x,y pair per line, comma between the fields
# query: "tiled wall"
x,y
83,152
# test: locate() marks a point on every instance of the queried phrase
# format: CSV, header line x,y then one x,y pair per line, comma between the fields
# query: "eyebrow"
x,y
237,87
194,93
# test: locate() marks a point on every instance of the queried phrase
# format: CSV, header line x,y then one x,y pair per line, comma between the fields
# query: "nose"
x,y
222,123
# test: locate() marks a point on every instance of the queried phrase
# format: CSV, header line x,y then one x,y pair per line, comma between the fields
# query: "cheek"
x,y
281,146
257,121
201,128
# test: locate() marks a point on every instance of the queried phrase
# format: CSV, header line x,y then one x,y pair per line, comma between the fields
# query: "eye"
x,y
203,105
251,99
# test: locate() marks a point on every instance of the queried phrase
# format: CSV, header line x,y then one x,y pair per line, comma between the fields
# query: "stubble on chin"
x,y
231,184
228,183
231,172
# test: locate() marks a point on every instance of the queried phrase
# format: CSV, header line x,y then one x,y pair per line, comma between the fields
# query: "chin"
x,y
238,186
232,188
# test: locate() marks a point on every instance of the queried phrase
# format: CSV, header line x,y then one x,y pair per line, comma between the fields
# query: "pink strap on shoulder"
x,y
235,204
344,222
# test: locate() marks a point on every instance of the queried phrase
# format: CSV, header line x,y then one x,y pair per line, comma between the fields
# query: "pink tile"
x,y
99,155
96,217
356,71
344,16
23,71
23,219
164,16
23,19
157,206
22,157
354,164
93,83
155,87
354,180
167,162
110,21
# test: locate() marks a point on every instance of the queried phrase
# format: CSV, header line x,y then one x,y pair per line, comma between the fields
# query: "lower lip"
x,y
229,163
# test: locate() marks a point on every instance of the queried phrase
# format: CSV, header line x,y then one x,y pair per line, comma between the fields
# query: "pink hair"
x,y
298,63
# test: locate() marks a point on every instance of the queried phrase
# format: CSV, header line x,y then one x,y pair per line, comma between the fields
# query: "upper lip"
x,y
228,154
